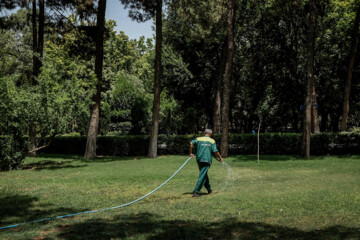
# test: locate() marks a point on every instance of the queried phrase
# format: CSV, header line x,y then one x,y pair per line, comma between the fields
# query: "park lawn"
x,y
283,197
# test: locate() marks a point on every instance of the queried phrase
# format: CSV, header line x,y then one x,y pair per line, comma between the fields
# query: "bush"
x,y
12,152
270,143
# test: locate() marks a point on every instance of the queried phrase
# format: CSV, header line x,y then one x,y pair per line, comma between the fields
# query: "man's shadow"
x,y
191,193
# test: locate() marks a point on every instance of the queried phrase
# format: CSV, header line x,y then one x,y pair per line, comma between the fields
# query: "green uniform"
x,y
204,147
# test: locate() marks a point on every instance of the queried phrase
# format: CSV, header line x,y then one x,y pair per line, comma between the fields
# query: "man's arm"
x,y
216,152
190,150
219,156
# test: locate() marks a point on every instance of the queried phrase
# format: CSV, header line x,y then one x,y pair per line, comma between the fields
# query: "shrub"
x,y
12,152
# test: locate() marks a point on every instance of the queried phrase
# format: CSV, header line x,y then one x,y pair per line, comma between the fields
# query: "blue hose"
x,y
104,209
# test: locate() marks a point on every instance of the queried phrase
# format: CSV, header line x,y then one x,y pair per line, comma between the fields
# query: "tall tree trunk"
x,y
35,41
324,120
218,84
294,121
158,73
305,144
32,126
90,150
335,118
315,127
38,46
227,79
353,50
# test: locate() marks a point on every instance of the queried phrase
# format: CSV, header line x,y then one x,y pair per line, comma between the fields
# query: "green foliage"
x,y
355,130
15,48
60,99
65,87
12,151
12,120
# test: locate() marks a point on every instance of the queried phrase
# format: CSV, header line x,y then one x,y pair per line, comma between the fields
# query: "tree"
x,y
90,150
196,30
315,126
38,46
305,144
218,87
227,78
148,10
353,51
157,91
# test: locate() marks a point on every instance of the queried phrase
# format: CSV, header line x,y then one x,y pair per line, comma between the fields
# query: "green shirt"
x,y
204,147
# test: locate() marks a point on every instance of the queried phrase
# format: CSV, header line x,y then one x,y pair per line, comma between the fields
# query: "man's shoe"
x,y
195,194
210,191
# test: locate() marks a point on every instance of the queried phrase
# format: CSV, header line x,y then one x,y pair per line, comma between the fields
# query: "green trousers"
x,y
203,177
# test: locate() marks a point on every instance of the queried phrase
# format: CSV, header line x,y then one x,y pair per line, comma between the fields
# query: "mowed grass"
x,y
280,198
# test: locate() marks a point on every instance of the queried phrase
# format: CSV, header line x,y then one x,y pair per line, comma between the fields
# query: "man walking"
x,y
205,146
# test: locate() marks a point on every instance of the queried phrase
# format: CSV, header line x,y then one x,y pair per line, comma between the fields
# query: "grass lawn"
x,y
280,198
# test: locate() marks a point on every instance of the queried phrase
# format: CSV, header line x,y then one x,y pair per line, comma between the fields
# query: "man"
x,y
205,145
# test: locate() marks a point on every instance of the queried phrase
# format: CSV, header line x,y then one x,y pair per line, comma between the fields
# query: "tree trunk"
x,y
295,121
32,126
324,121
37,45
35,42
315,128
227,79
335,118
158,72
40,47
90,150
353,50
218,84
305,145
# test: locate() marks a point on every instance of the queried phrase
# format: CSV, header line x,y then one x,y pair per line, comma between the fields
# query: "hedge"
x,y
270,143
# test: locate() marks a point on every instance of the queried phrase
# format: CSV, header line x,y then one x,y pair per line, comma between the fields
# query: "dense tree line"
x,y
227,65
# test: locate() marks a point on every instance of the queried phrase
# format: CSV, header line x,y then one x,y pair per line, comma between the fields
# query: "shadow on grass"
x,y
50,165
274,158
153,227
62,156
244,158
191,193
109,159
82,159
18,208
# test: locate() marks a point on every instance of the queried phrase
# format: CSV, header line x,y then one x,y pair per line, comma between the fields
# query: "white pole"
x,y
258,138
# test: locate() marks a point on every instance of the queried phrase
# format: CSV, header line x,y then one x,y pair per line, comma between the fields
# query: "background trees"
x,y
352,57
269,72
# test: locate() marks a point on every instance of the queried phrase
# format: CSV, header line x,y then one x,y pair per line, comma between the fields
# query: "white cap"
x,y
208,131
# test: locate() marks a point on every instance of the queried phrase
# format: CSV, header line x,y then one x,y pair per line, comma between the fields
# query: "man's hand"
x,y
219,157
190,150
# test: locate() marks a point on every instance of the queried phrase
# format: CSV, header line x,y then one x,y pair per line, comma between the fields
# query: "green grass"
x,y
280,198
